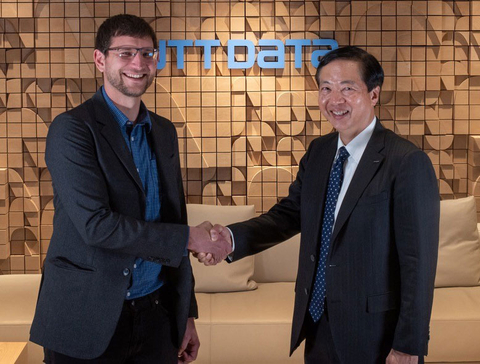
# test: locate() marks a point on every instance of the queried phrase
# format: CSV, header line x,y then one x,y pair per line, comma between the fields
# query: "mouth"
x,y
135,76
339,114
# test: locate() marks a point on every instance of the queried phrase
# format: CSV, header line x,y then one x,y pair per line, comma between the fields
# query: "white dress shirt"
x,y
355,148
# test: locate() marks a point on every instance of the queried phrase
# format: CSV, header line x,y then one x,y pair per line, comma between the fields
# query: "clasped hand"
x,y
209,244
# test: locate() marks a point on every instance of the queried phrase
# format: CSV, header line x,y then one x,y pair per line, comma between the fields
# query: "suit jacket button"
x,y
126,272
312,258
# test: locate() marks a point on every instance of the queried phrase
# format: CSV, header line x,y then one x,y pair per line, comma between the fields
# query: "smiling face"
x,y
126,78
344,98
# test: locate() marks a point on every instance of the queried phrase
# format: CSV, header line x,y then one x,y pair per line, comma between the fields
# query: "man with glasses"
x,y
117,283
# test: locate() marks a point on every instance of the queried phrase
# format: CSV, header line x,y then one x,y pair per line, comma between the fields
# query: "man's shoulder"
x,y
84,111
324,140
402,152
399,144
161,121
158,118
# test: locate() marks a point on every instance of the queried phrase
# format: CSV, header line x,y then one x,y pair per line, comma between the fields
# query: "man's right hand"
x,y
217,232
202,245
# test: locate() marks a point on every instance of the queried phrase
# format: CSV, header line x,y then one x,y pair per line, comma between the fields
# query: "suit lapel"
x,y
112,133
319,184
367,168
161,144
164,148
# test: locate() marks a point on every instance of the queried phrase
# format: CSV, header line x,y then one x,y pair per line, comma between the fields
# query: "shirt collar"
x,y
357,145
143,117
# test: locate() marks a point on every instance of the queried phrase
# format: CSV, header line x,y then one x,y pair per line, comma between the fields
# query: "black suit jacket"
x,y
99,230
382,260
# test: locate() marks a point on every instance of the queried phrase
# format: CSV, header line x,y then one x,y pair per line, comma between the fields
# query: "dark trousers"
x,y
319,346
144,334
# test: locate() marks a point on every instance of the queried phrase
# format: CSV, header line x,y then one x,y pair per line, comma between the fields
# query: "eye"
x,y
126,53
325,89
148,53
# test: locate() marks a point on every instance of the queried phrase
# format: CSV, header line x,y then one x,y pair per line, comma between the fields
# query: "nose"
x,y
138,60
336,97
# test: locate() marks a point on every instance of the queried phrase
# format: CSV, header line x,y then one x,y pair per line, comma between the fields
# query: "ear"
x,y
99,59
375,95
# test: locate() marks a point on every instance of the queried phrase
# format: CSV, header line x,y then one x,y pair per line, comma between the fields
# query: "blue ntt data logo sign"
x,y
267,58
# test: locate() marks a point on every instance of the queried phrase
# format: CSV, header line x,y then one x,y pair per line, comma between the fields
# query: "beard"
x,y
116,80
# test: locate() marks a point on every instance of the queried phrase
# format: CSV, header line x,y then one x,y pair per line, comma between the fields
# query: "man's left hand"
x,y
397,357
189,350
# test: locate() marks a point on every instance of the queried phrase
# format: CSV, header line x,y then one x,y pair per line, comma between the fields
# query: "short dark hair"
x,y
372,71
123,24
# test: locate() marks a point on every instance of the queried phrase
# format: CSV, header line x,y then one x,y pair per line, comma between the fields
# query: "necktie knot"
x,y
343,154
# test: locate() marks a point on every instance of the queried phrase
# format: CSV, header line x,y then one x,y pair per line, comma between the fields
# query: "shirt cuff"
x,y
230,256
185,254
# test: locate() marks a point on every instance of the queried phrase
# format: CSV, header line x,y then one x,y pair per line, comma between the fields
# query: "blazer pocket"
x,y
382,302
64,263
371,199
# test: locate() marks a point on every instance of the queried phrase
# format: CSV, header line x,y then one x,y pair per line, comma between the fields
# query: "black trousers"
x,y
145,334
319,346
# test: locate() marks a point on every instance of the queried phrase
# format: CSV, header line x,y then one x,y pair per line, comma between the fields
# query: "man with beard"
x,y
117,284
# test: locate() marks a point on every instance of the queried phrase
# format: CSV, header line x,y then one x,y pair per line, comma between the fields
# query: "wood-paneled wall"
x,y
242,132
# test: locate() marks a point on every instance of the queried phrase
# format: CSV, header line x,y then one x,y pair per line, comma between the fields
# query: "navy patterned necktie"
x,y
317,303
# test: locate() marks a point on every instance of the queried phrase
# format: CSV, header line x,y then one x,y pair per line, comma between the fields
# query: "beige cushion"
x,y
278,264
223,277
455,325
459,247
253,327
18,297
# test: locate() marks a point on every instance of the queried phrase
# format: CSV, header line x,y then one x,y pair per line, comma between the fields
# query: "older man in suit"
x,y
367,205
117,283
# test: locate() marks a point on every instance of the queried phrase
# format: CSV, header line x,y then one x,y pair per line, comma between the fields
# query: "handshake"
x,y
209,244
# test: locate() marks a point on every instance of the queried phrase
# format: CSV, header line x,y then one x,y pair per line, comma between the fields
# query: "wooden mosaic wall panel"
x,y
242,132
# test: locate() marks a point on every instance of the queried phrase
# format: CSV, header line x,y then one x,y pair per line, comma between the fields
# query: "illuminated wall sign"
x,y
263,57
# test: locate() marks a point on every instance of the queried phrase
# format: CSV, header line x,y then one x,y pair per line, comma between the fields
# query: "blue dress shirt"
x,y
146,275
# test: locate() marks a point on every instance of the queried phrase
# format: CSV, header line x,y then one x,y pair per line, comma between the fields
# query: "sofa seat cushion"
x,y
271,302
455,325
18,298
249,327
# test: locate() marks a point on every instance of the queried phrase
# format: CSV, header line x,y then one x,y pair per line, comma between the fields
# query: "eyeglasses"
x,y
127,54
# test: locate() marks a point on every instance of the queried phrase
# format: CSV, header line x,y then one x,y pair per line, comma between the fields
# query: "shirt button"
x,y
312,258
134,266
128,295
126,272
138,170
132,139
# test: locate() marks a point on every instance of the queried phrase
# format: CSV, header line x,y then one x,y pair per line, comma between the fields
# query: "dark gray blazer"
x,y
382,260
99,230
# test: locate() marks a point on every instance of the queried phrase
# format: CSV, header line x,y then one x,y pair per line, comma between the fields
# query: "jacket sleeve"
x,y
280,223
81,190
416,229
